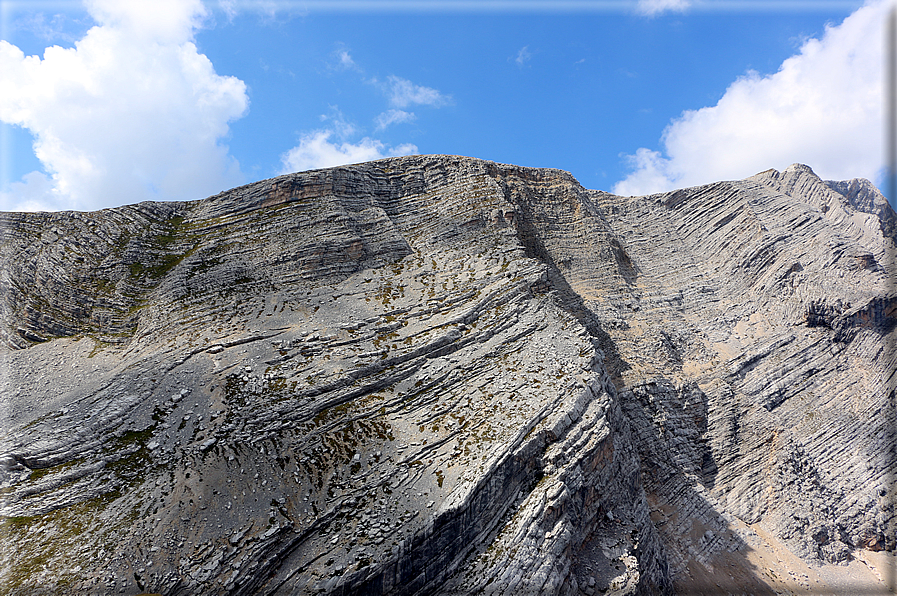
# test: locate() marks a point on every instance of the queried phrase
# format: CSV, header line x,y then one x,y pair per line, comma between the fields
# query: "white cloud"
x,y
339,123
230,8
523,56
342,59
655,7
822,108
161,21
35,193
390,117
345,60
315,150
404,93
652,174
133,112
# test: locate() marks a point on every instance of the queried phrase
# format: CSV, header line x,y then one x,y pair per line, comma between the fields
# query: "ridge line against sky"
x,y
113,123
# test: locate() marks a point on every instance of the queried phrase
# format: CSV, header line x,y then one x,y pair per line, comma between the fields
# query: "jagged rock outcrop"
x,y
863,196
437,375
757,346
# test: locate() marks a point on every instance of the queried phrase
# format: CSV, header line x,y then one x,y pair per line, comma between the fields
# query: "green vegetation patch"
x,y
40,473
40,540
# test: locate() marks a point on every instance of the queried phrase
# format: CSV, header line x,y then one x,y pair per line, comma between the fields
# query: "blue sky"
x,y
109,102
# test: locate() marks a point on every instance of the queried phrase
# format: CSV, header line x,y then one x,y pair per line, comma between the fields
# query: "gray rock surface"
x,y
441,375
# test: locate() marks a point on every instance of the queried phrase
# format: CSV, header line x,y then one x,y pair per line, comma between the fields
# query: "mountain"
x,y
443,375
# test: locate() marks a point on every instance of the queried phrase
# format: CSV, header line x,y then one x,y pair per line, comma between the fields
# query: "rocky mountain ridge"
x,y
437,374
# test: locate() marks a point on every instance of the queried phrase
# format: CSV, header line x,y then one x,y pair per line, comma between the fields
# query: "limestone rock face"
x,y
441,375
755,362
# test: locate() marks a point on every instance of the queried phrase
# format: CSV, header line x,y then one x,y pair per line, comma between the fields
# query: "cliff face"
x,y
437,374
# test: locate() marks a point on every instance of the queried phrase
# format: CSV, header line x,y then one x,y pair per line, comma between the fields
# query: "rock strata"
x,y
442,375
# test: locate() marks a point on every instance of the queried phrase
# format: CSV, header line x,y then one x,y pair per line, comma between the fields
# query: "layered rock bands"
x,y
441,375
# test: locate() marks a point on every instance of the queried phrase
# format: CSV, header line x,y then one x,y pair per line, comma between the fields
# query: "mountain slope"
x,y
437,374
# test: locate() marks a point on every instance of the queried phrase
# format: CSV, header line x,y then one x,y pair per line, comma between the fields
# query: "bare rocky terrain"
x,y
443,375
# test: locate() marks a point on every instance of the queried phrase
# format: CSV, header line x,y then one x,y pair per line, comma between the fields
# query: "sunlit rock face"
x,y
442,375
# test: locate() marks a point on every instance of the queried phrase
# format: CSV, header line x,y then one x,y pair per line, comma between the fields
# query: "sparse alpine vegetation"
x,y
442,375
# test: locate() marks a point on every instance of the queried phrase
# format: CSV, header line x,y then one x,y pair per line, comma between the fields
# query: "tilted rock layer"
x,y
441,375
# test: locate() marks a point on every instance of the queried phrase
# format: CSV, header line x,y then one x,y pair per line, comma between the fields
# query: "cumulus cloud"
x,y
403,93
161,21
523,56
654,7
823,108
390,117
329,147
34,193
132,112
316,150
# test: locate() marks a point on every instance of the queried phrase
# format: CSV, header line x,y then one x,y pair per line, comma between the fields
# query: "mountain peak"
x,y
799,168
437,374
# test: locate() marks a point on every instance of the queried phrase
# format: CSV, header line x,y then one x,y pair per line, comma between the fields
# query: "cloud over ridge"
x,y
823,107
133,112
316,150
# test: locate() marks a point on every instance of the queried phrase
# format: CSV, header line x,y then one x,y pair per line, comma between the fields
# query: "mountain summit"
x,y
443,375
